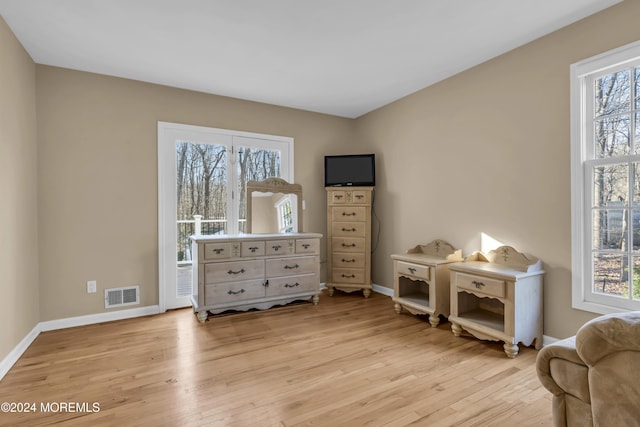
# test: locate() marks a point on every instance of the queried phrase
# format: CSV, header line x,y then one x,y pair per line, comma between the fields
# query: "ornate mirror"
x,y
274,206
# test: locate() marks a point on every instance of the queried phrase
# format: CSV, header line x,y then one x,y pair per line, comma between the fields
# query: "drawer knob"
x,y
241,291
411,270
348,229
236,272
306,245
348,276
253,248
477,284
276,247
218,251
291,267
348,214
286,285
348,260
359,196
348,245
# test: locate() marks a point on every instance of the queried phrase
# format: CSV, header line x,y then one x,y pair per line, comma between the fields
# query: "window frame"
x,y
167,135
583,76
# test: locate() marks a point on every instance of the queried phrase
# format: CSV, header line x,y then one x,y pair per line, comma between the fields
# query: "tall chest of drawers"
x,y
349,239
241,272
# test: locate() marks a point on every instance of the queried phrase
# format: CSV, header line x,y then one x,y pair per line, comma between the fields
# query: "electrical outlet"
x,y
91,286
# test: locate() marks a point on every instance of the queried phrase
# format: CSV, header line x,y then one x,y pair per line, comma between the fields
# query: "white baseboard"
x,y
15,354
382,290
546,340
70,322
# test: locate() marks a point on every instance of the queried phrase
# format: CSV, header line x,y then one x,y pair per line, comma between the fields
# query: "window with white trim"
x,y
605,181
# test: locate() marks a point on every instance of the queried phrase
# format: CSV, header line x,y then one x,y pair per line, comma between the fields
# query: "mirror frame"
x,y
273,185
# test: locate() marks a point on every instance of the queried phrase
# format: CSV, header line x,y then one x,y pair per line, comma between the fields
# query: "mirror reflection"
x,y
273,212
273,206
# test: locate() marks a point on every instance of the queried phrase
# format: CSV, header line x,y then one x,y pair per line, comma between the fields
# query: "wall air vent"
x,y
118,297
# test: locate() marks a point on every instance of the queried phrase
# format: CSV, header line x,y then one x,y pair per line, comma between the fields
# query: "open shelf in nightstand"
x,y
421,279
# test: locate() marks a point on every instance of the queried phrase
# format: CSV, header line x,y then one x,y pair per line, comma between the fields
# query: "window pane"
x,y
608,230
635,230
637,134
610,274
610,185
612,93
254,164
201,190
611,136
637,89
636,278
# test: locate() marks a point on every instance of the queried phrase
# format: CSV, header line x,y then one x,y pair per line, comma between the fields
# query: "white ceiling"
x,y
340,57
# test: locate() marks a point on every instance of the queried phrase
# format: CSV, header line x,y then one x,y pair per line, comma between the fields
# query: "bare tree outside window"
x,y
203,183
616,183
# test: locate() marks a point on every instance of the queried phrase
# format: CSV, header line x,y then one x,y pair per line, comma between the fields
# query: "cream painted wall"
x,y
18,193
98,176
487,151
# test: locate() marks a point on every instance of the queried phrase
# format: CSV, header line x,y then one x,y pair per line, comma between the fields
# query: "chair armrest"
x,y
608,334
564,349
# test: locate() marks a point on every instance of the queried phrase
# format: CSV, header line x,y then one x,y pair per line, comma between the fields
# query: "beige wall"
x,y
18,193
98,176
487,151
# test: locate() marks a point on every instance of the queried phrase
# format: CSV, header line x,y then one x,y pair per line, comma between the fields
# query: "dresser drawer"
x,y
348,275
253,249
307,246
338,197
349,213
213,251
293,284
359,197
233,271
345,244
341,260
280,247
221,293
347,229
291,266
414,270
480,284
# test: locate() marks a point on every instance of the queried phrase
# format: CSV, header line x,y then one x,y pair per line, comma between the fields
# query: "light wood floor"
x,y
349,361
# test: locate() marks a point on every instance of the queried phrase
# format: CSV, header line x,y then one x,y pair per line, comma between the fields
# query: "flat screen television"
x,y
350,170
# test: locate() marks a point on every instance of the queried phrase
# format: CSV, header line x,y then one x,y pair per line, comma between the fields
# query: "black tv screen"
x,y
352,169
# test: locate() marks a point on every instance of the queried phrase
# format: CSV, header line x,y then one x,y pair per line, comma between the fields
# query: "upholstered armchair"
x,y
595,376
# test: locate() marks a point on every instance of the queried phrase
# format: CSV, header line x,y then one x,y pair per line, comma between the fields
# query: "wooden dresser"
x,y
498,296
349,239
245,271
421,279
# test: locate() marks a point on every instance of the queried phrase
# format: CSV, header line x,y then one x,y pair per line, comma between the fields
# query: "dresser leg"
x,y
315,299
511,350
434,320
202,315
456,329
331,290
366,292
398,308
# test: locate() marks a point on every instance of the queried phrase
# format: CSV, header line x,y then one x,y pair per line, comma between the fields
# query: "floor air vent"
x,y
118,297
